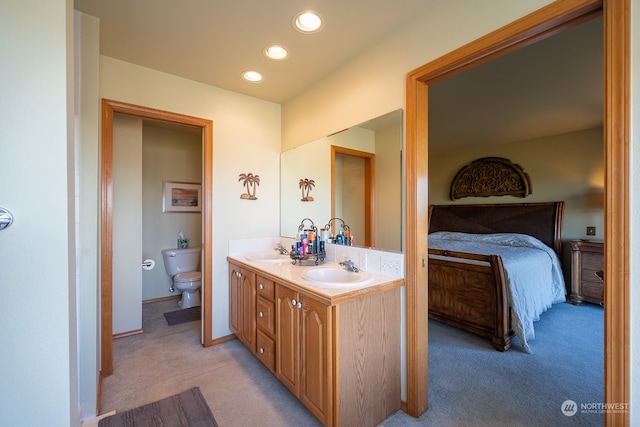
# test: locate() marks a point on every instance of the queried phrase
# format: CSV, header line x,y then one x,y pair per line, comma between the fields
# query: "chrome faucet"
x,y
281,249
349,265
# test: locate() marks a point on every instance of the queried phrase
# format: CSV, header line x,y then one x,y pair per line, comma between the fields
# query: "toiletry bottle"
x,y
312,242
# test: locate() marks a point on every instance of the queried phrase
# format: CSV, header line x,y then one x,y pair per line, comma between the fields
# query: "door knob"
x,y
6,218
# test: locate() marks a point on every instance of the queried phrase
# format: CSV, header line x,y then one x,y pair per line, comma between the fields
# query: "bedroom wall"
x,y
568,167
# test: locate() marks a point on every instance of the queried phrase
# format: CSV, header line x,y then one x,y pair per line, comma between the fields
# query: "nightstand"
x,y
587,259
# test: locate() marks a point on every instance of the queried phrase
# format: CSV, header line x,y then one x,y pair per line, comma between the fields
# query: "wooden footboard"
x,y
469,291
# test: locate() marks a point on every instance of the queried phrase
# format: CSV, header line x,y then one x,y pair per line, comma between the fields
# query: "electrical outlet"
x,y
591,231
390,266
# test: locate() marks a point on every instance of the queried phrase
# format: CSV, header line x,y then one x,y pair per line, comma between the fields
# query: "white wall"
x,y
87,118
246,139
37,253
127,224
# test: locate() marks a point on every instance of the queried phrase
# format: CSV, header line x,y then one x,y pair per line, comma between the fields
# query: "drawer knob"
x,y
261,350
260,314
261,286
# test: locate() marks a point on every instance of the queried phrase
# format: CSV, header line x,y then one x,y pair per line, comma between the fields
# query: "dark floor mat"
x,y
182,410
183,316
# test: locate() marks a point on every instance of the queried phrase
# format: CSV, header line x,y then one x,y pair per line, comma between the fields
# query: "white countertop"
x,y
293,275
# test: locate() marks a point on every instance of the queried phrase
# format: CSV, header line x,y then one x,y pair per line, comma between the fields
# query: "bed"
x,y
469,287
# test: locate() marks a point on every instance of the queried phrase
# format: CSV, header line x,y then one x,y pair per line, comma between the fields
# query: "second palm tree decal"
x,y
250,181
306,185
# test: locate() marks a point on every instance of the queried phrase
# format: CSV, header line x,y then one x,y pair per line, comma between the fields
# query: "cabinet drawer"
x,y
265,315
592,261
266,288
266,350
592,291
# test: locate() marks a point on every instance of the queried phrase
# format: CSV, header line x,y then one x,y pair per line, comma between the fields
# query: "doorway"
x,y
529,29
352,186
109,108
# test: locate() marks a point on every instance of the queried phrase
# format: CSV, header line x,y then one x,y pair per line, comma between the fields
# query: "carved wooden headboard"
x,y
540,220
490,176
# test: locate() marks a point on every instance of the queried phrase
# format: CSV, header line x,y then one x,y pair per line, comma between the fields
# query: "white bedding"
x,y
533,271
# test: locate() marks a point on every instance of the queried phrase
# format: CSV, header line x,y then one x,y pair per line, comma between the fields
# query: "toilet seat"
x,y
189,276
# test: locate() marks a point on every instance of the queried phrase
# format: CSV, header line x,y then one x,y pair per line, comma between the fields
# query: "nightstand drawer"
x,y
592,291
591,262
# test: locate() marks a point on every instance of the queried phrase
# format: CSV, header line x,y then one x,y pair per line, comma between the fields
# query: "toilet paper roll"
x,y
148,264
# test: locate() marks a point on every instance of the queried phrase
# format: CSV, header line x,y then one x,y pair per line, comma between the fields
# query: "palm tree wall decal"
x,y
249,180
306,184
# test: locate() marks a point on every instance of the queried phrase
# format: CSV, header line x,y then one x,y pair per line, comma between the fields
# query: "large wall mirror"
x,y
355,175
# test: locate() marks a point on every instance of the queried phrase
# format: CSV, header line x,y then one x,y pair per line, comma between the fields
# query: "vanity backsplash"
x,y
390,264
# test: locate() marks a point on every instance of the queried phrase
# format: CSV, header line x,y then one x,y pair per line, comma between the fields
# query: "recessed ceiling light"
x,y
276,52
252,76
307,22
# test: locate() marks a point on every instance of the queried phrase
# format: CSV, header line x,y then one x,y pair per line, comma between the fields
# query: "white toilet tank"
x,y
181,260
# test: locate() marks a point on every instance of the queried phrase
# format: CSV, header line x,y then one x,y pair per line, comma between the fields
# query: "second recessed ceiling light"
x,y
276,52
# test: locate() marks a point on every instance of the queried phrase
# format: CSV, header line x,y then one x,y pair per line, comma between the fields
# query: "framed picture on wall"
x,y
181,197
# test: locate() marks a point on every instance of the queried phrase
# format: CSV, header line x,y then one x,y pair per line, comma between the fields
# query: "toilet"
x,y
183,265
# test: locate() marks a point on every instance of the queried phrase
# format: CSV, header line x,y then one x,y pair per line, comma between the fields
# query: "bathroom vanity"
x,y
334,345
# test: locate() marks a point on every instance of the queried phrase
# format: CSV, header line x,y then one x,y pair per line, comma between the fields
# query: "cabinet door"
x,y
248,309
287,341
234,299
315,327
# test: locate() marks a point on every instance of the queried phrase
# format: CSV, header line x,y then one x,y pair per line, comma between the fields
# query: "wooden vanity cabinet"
x,y
340,357
242,303
303,348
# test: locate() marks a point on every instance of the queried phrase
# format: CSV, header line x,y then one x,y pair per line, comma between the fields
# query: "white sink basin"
x,y
267,257
331,276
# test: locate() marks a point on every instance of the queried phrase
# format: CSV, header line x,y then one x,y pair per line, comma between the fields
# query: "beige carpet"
x,y
166,360
240,391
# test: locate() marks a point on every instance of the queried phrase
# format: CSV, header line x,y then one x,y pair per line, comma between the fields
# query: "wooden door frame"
x,y
109,107
529,29
368,239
